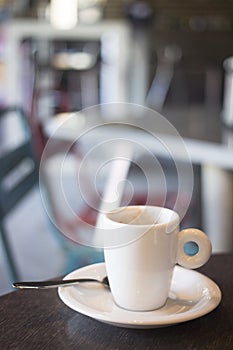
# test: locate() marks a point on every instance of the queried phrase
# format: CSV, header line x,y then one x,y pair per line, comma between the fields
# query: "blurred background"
x,y
58,57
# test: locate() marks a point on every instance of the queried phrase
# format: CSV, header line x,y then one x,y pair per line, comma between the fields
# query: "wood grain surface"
x,y
31,319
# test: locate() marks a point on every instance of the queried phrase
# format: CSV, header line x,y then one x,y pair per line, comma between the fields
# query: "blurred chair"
x,y
18,173
72,219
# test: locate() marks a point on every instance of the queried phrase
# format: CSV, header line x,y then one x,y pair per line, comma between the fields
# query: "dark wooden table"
x,y
31,319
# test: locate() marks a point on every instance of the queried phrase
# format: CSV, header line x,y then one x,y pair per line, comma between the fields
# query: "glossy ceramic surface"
x,y
192,295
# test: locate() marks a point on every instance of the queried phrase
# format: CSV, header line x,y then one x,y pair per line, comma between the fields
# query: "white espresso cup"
x,y
142,246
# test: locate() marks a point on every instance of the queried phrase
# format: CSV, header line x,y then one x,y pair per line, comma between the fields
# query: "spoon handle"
x,y
52,284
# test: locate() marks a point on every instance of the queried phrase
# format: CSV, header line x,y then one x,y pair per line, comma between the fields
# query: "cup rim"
x,y
174,217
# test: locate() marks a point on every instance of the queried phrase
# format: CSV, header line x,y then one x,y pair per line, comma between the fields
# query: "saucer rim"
x,y
158,321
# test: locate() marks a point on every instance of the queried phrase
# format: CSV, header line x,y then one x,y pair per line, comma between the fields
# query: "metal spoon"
x,y
58,283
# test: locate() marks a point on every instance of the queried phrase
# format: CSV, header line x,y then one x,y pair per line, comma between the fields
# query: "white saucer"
x,y
192,295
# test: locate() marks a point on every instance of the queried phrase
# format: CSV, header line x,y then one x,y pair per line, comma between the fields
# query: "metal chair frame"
x,y
12,192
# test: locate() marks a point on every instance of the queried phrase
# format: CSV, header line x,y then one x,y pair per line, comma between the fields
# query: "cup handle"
x,y
204,248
